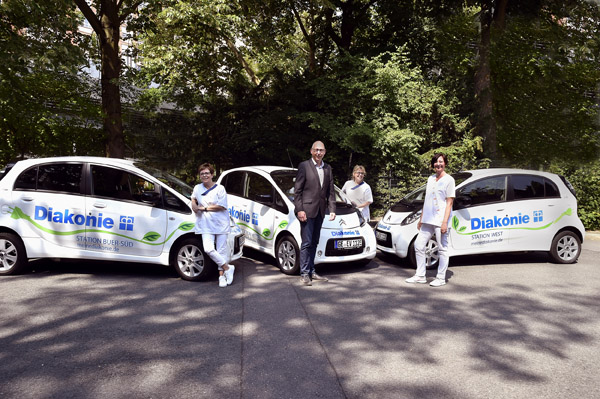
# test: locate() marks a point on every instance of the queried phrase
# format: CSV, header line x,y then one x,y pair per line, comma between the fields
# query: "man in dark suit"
x,y
314,197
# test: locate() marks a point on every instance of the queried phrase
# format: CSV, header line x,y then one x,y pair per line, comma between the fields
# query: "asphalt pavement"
x,y
505,326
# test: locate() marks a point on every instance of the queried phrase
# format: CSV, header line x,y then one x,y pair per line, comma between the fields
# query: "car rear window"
x,y
58,177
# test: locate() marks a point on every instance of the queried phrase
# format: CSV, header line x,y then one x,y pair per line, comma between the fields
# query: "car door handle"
x,y
100,205
171,218
27,199
500,210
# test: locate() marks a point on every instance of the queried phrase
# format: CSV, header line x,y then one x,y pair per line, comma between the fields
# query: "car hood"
x,y
346,217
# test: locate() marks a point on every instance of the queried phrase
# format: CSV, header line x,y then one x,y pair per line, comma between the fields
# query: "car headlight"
x,y
413,217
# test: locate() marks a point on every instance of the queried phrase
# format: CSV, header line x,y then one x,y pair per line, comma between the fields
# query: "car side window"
x,y
551,189
527,186
259,189
27,180
173,203
484,191
59,177
234,183
121,185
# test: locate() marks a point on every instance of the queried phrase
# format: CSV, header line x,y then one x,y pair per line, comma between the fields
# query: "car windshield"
x,y
178,185
285,180
417,197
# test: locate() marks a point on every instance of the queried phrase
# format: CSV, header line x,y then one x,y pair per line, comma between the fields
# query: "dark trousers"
x,y
310,232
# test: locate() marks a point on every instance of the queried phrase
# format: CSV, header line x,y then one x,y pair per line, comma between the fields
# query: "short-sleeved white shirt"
x,y
359,194
435,199
211,222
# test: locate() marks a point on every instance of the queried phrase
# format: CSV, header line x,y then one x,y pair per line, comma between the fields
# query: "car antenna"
x,y
290,158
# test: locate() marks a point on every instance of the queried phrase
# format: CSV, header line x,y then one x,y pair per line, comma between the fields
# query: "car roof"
x,y
104,160
263,168
506,171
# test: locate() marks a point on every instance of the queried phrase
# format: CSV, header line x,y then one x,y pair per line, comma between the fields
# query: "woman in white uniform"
x,y
435,216
358,191
209,203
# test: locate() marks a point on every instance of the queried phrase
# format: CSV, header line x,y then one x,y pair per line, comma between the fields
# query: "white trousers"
x,y
215,246
427,231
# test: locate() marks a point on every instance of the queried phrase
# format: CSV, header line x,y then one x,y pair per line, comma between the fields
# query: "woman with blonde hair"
x,y
358,191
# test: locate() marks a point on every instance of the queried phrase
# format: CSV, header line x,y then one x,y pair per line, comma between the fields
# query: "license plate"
x,y
348,244
380,236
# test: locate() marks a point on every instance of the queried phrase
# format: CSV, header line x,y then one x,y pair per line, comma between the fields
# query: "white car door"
x,y
128,223
539,200
49,203
264,207
478,222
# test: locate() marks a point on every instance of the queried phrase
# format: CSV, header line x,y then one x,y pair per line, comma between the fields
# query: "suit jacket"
x,y
309,196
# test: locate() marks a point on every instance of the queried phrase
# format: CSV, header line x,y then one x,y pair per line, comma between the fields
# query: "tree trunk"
x,y
111,72
107,27
486,124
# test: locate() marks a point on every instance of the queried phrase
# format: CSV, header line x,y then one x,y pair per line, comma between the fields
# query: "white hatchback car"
x,y
260,200
495,210
100,208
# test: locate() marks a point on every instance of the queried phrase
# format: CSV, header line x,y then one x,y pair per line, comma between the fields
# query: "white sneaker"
x,y
438,282
417,279
229,274
222,281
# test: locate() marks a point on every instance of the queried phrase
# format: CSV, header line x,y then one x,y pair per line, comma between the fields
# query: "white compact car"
x,y
495,210
100,208
260,200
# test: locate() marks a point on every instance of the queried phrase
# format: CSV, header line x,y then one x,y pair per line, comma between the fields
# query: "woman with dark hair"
x,y
209,203
435,216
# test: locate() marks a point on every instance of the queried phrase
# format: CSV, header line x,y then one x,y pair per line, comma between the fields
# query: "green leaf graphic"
x,y
454,222
151,236
462,228
186,226
266,232
283,224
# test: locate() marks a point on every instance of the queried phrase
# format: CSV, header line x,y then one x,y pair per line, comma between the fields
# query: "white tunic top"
x,y
211,222
435,199
359,194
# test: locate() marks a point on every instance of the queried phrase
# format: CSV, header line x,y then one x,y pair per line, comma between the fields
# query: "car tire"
x,y
190,261
287,255
13,258
431,252
566,247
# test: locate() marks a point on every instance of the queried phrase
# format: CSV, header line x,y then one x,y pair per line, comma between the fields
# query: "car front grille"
x,y
383,238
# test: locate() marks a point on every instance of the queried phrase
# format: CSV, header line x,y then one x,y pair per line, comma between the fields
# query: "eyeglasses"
x,y
205,174
359,173
319,149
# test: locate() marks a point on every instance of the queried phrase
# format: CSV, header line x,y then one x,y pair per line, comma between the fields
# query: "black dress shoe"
x,y
306,280
316,277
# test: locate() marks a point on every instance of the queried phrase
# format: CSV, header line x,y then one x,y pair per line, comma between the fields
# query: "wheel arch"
x,y
182,237
4,229
571,229
279,236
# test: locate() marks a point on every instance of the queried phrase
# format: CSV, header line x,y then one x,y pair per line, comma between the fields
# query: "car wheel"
x,y
566,247
190,261
13,259
287,254
432,256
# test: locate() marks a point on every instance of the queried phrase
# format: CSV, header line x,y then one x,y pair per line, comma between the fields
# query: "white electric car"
x,y
260,200
495,210
100,208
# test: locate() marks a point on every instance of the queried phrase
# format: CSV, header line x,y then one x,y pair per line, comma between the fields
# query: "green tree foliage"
x,y
44,100
544,78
